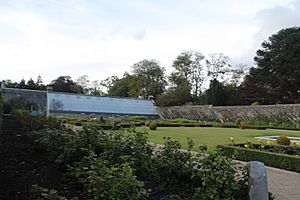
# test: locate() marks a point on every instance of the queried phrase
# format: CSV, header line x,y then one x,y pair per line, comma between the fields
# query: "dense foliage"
x,y
1,108
283,140
277,76
123,165
153,125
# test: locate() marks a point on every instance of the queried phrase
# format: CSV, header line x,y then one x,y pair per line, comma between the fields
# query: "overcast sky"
x,y
100,38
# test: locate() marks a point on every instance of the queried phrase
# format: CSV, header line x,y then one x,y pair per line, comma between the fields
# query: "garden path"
x,y
284,185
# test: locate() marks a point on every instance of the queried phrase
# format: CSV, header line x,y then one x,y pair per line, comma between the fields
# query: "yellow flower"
x,y
246,146
259,140
268,142
231,138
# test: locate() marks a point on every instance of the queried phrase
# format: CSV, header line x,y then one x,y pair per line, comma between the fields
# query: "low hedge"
x,y
225,125
277,160
111,127
159,124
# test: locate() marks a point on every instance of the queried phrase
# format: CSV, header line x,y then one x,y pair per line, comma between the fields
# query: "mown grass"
x,y
210,136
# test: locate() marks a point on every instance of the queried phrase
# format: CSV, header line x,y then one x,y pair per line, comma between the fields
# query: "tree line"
x,y
197,79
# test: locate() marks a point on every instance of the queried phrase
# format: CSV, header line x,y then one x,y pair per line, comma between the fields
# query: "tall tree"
x,y
66,84
39,84
109,82
175,96
96,88
128,86
22,84
217,66
83,81
151,77
189,69
216,94
31,84
276,79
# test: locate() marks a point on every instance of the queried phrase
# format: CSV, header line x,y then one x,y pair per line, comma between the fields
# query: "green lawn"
x,y
211,136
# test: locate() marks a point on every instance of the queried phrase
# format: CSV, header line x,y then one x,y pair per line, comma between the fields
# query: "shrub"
x,y
203,176
153,125
147,123
38,193
104,181
78,124
101,120
277,160
1,108
283,140
182,120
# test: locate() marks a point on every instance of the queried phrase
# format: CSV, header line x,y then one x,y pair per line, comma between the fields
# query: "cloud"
x,y
104,38
43,50
274,19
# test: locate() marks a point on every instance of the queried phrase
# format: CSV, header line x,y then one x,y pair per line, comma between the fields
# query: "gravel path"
x,y
284,185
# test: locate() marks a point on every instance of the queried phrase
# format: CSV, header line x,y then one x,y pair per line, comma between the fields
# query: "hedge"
x,y
1,108
111,127
277,160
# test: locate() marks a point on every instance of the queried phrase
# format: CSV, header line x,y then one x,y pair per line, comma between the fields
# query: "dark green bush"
x,y
153,125
225,125
166,124
282,149
40,193
282,161
1,108
78,123
205,125
212,175
283,140
104,181
123,165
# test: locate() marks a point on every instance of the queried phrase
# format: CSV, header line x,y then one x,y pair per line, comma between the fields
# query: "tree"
x,y
83,82
128,86
276,79
31,84
39,84
188,69
66,84
9,84
216,94
109,82
217,65
151,78
176,96
237,74
22,84
96,88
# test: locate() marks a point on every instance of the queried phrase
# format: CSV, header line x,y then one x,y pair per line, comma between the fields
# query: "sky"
x,y
101,38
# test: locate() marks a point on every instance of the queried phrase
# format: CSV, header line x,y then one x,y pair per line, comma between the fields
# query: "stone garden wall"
x,y
282,113
29,97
